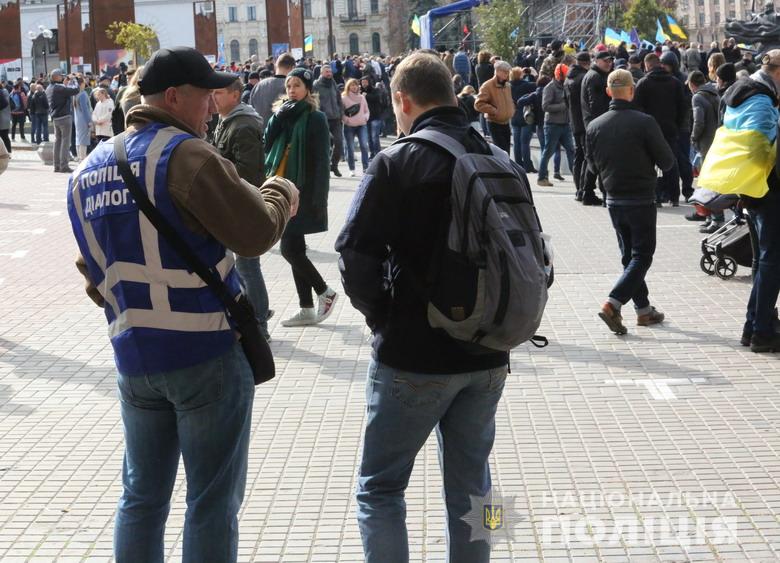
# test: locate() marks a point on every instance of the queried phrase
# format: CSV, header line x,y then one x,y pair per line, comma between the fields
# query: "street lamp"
x,y
47,34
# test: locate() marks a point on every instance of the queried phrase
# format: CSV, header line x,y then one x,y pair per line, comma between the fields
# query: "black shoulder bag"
x,y
240,310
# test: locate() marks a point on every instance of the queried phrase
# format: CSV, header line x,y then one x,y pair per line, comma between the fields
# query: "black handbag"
x,y
352,110
240,310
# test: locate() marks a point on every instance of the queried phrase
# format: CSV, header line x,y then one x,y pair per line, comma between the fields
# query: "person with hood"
x,y
494,101
330,105
251,81
661,95
239,138
705,104
745,141
296,141
556,124
572,87
671,63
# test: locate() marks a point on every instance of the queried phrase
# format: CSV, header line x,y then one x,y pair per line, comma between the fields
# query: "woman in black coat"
x,y
297,143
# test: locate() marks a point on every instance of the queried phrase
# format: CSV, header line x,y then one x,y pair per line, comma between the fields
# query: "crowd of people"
x,y
269,136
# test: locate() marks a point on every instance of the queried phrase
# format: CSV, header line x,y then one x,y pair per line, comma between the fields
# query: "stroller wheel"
x,y
725,267
707,264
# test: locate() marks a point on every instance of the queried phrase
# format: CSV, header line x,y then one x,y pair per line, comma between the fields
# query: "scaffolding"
x,y
577,21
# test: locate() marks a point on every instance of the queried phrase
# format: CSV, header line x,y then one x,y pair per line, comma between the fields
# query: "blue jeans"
x,y
766,283
203,413
40,127
374,129
542,144
554,134
252,276
403,409
518,147
635,229
526,134
349,138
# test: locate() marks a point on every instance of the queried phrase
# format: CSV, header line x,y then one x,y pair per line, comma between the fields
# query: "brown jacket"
x,y
211,196
495,101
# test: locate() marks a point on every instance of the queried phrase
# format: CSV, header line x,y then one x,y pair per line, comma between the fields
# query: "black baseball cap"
x,y
177,66
583,57
604,55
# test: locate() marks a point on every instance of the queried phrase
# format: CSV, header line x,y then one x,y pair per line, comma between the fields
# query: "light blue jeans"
x,y
403,409
252,276
349,144
203,413
554,134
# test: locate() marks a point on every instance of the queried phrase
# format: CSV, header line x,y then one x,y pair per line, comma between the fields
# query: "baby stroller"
x,y
728,247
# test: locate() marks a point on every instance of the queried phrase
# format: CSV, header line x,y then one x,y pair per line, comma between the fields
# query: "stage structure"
x,y
577,21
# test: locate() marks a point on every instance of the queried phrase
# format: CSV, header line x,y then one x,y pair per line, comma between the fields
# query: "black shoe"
x,y
335,170
578,196
711,227
658,204
558,177
532,170
761,344
591,199
693,216
747,335
675,203
65,170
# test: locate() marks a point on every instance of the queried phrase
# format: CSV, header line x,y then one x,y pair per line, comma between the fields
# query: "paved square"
x,y
661,445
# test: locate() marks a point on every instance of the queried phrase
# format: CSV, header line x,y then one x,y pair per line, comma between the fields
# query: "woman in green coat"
x,y
297,142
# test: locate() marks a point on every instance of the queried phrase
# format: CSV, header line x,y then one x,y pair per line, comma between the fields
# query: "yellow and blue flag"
x,y
611,37
675,28
308,43
660,34
416,26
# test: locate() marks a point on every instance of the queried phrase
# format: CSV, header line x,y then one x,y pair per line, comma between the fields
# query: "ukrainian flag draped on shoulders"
x,y
743,152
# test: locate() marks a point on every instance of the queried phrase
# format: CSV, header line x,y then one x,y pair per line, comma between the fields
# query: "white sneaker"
x,y
351,173
304,317
325,304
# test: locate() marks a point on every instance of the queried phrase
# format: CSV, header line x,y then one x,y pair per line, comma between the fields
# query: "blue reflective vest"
x,y
161,316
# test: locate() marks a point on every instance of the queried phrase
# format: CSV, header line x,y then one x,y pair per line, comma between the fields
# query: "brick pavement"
x,y
598,436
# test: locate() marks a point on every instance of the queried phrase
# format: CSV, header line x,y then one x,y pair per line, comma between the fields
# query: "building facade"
x,y
704,19
359,27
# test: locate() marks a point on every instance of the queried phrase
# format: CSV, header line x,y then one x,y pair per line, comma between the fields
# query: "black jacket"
x,y
59,97
393,227
239,138
374,102
594,100
37,103
519,89
572,87
661,95
624,146
484,72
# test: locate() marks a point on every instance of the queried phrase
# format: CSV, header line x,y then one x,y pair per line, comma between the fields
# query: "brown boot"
x,y
652,318
612,318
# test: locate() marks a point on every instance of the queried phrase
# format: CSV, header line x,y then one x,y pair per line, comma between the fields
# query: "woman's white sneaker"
x,y
304,317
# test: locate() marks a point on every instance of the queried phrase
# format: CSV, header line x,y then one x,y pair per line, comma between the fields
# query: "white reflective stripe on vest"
x,y
159,279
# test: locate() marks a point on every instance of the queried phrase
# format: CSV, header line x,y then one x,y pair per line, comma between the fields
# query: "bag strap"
x,y
209,275
443,140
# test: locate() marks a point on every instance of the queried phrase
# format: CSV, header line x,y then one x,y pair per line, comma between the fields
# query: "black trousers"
x,y
305,275
336,141
17,120
501,135
587,178
5,139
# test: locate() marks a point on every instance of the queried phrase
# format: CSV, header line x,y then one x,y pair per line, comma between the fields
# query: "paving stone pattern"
x,y
658,446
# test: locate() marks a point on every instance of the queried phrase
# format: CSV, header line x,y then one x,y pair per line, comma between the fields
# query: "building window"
x,y
376,43
354,44
251,13
235,51
252,47
306,8
352,9
232,14
374,6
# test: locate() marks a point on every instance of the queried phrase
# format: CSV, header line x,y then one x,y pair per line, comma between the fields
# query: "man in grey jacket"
x,y
5,117
61,112
268,90
330,105
556,123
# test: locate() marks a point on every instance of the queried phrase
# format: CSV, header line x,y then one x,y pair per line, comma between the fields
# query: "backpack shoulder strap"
x,y
438,138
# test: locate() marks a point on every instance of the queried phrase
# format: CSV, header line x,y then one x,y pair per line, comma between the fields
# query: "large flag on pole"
x,y
675,28
416,26
660,35
624,36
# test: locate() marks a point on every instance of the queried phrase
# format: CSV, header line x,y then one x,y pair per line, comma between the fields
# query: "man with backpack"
x,y
401,272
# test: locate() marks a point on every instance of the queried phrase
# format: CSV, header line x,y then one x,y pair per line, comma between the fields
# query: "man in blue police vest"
x,y
184,383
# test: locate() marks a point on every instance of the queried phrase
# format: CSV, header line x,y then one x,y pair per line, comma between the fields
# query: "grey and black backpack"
x,y
487,284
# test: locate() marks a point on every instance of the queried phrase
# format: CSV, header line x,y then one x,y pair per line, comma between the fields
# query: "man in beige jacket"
x,y
495,101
